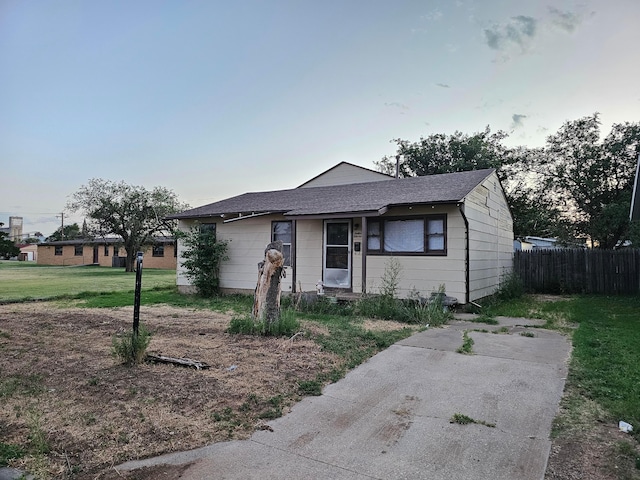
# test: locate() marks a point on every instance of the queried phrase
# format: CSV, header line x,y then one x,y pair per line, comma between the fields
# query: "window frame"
x,y
157,250
78,250
106,250
208,227
381,222
58,250
287,260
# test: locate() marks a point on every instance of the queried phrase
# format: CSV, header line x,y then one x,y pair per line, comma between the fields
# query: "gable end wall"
x,y
490,237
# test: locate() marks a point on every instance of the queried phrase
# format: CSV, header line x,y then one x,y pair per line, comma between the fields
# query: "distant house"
x,y
28,252
545,243
520,244
106,252
343,226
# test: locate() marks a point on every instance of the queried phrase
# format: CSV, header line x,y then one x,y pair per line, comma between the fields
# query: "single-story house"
x,y
106,252
28,252
342,227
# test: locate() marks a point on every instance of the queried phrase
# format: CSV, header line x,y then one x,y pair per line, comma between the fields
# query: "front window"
x,y
283,231
78,251
208,228
158,251
58,250
408,236
106,250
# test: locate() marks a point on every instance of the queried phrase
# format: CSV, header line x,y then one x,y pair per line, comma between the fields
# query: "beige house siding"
x,y
425,274
247,240
490,237
309,254
345,174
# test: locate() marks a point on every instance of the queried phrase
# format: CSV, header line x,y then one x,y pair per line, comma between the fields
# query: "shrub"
x,y
131,348
414,309
203,256
511,287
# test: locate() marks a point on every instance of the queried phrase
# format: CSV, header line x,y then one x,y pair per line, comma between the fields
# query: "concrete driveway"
x,y
390,418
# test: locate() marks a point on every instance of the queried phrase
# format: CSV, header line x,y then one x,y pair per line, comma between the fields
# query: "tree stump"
x,y
266,304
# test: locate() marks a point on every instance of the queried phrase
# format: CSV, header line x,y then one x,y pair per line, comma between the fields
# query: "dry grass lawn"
x,y
78,412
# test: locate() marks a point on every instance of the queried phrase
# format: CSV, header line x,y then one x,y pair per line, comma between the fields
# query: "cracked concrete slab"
x,y
390,418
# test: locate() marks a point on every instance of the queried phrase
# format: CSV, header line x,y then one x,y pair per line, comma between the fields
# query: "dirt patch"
x,y
58,378
386,325
602,453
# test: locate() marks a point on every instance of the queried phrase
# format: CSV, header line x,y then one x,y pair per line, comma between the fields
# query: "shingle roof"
x,y
353,198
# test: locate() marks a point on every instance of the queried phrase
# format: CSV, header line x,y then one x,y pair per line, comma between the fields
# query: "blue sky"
x,y
215,98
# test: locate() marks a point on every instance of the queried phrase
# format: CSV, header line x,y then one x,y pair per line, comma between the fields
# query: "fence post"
x,y
136,298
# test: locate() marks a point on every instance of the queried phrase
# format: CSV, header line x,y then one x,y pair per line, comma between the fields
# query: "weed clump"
x,y
131,348
463,419
467,344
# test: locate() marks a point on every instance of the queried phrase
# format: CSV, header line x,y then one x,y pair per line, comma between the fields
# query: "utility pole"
x,y
61,216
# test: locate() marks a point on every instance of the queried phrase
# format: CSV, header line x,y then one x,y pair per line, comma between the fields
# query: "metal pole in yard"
x,y
136,300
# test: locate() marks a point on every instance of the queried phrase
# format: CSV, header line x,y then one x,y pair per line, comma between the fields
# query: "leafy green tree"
x,y
590,180
439,153
132,212
8,249
203,255
71,232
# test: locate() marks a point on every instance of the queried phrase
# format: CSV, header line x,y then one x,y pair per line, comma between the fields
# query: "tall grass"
x,y
286,325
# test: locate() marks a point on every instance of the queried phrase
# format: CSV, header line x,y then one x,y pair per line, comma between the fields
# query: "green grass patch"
x,y
286,325
605,365
310,387
28,385
9,452
19,283
165,296
558,314
348,339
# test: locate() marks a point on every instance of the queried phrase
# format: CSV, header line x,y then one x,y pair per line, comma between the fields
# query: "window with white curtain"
x,y
410,235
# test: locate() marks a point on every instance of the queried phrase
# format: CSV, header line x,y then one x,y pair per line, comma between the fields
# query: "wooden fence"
x,y
579,270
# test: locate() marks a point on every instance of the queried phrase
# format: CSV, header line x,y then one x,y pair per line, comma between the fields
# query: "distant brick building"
x,y
106,252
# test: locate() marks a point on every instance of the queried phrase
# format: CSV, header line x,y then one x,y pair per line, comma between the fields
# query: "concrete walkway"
x,y
390,417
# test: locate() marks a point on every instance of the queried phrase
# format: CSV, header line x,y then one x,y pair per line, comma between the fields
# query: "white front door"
x,y
337,254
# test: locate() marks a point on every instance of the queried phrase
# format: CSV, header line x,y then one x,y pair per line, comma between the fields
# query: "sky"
x,y
214,98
